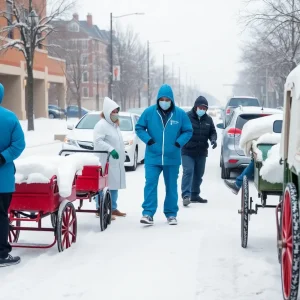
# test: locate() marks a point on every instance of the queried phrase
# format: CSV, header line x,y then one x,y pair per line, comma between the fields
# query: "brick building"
x,y
47,70
85,48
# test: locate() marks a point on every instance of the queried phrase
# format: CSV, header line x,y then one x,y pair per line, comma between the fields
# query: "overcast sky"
x,y
203,32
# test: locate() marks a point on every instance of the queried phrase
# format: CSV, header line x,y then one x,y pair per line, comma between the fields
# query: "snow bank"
x,y
255,128
271,170
40,169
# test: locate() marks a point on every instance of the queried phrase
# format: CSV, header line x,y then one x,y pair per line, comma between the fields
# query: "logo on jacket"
x,y
174,122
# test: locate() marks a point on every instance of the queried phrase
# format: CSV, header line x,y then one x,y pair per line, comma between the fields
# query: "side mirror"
x,y
220,126
277,126
70,126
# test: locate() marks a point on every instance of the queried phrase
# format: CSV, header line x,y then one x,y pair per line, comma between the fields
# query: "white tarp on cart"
x,y
40,169
290,139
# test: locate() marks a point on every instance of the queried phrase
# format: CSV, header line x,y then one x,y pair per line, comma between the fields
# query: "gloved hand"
x,y
114,154
150,142
177,145
214,144
2,160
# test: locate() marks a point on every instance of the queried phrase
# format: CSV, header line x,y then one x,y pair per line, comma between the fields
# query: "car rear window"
x,y
243,119
235,102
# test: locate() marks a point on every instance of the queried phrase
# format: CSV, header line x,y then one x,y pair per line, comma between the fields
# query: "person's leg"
x,y
248,171
114,198
199,170
5,247
150,191
171,200
188,164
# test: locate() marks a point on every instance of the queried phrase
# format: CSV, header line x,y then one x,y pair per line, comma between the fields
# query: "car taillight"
x,y
228,111
234,132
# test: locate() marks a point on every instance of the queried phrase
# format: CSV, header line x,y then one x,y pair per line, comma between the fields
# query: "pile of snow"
x,y
255,128
272,170
40,169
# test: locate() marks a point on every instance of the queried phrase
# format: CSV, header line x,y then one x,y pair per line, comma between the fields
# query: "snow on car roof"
x,y
258,109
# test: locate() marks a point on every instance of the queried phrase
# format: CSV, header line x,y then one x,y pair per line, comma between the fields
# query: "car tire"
x,y
51,116
225,172
135,159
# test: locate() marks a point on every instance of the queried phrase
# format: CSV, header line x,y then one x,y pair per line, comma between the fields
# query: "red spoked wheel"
x,y
14,234
66,227
290,243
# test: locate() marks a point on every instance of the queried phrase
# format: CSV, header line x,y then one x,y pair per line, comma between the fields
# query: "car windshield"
x,y
243,119
235,102
90,121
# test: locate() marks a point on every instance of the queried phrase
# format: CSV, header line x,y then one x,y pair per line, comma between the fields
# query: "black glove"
x,y
2,160
214,144
150,142
177,145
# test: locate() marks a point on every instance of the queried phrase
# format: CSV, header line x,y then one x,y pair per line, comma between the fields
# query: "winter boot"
x,y
172,221
147,220
117,213
232,185
198,199
9,261
186,200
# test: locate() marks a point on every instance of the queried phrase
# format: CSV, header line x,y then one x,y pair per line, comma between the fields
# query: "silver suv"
x,y
232,156
235,102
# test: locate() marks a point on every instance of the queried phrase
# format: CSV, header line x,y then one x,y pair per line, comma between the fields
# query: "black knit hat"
x,y
201,101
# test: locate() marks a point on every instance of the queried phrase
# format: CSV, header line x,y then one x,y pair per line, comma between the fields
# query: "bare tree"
x,y
33,26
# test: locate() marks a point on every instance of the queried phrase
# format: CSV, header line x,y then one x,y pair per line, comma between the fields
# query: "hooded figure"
x,y
108,137
12,144
165,128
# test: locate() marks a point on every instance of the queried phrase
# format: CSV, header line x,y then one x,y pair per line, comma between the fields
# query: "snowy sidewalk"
x,y
199,259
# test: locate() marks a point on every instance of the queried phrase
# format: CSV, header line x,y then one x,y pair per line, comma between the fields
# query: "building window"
x,y
84,59
85,92
85,76
73,27
85,44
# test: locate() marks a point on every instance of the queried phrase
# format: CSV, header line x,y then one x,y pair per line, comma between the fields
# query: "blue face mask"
x,y
164,104
200,112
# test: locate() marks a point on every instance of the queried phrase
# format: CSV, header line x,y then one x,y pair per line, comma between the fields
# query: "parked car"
x,y
232,156
138,110
235,102
81,137
56,112
73,111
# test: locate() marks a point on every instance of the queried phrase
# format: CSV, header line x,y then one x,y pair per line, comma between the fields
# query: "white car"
x,y
81,137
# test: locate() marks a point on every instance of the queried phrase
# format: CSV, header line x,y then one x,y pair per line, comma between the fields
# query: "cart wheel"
x,y
66,226
105,210
244,212
14,234
278,223
290,243
53,219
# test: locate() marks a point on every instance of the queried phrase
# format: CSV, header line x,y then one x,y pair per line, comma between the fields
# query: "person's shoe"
x,y
186,200
117,213
113,218
198,199
147,220
172,221
232,185
9,261
97,215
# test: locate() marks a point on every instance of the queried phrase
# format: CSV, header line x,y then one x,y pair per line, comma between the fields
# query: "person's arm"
x,y
141,129
17,145
99,140
212,132
186,131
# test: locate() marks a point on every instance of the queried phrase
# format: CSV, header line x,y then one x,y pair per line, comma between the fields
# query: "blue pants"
x,y
152,174
114,198
249,172
193,171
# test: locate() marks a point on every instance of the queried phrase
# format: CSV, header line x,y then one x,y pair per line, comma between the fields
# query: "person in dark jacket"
x,y
165,128
194,153
12,144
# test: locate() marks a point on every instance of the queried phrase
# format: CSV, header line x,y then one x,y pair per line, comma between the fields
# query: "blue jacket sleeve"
x,y
17,143
141,128
186,131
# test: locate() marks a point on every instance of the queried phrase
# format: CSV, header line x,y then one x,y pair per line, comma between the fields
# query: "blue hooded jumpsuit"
x,y
12,144
165,129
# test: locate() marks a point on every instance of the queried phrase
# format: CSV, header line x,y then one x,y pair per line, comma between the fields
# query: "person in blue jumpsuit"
x,y
165,129
12,144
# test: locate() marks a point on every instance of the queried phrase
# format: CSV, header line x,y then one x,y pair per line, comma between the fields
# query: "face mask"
x,y
165,105
114,117
200,112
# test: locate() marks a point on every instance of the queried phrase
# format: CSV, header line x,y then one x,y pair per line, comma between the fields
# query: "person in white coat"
x,y
108,137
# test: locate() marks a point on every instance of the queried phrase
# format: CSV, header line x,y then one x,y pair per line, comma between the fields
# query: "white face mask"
x,y
114,117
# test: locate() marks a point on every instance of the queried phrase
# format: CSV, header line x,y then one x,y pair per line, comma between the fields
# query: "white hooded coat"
x,y
108,137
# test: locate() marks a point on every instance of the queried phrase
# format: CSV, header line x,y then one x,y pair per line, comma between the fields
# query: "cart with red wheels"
x,y
31,203
92,183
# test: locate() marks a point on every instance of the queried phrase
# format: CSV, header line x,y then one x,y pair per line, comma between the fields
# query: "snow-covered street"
x,y
201,258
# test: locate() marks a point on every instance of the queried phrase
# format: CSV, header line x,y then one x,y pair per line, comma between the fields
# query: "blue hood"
x,y
1,93
166,91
